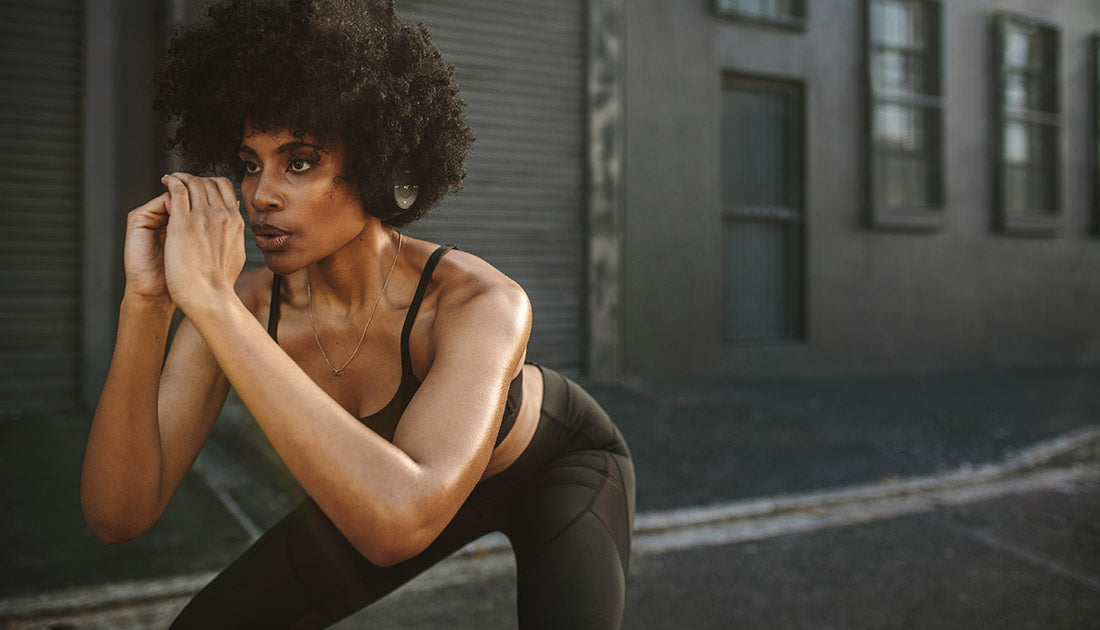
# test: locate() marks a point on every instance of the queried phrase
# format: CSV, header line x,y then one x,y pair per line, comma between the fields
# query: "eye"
x,y
251,168
300,165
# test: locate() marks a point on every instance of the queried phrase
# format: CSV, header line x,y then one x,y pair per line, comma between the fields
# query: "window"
x,y
788,13
1028,125
762,198
906,113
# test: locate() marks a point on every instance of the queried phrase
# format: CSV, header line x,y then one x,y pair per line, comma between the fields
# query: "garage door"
x,y
40,132
520,65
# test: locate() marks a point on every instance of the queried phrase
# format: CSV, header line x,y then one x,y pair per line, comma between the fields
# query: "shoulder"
x,y
471,292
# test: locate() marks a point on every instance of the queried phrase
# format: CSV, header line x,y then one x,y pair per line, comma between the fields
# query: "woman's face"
x,y
299,208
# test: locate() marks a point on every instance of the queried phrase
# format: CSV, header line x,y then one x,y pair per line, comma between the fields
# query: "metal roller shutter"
x,y
40,187
521,67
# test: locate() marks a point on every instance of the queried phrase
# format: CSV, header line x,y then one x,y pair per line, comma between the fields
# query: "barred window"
x,y
787,13
906,113
762,165
1028,124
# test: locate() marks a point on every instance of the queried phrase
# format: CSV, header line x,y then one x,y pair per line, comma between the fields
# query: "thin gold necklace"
x,y
309,292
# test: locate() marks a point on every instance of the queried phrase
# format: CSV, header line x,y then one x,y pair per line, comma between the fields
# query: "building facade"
x,y
860,185
683,186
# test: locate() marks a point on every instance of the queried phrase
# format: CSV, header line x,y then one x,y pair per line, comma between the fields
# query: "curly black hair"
x,y
341,70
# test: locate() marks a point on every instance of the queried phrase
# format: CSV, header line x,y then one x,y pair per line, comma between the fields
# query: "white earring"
x,y
404,193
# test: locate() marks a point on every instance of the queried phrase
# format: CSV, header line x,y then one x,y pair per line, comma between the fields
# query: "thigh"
x,y
571,533
303,573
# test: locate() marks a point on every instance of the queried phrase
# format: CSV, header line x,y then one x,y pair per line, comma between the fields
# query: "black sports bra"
x,y
384,422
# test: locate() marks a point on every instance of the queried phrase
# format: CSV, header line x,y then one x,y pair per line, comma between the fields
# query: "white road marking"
x,y
688,528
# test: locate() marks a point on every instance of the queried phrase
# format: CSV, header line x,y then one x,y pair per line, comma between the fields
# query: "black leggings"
x,y
566,505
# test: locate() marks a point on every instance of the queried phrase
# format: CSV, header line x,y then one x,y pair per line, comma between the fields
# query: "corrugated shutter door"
x,y
40,132
520,65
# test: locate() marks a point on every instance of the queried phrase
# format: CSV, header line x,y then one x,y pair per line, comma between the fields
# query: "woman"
x,y
387,372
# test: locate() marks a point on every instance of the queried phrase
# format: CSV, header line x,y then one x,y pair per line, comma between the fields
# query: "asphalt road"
x,y
948,500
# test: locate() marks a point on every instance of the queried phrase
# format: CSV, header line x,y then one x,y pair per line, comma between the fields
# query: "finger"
x,y
158,209
228,194
179,202
151,213
195,188
213,195
156,205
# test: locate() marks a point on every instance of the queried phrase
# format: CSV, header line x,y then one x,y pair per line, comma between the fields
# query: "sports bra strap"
x,y
414,307
273,311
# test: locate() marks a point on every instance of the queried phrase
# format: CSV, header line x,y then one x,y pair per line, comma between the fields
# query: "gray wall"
x,y
672,240
123,162
965,295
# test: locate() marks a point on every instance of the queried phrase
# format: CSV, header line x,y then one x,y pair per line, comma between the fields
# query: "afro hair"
x,y
340,70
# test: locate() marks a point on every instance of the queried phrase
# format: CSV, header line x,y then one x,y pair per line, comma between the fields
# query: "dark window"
x,y
906,113
1028,124
762,196
787,13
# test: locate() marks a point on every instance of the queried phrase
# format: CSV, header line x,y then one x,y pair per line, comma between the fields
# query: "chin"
x,y
280,264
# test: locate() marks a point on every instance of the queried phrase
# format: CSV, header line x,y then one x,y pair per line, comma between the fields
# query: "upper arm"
x,y
480,334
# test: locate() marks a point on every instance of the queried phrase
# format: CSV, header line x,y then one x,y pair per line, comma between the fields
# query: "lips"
x,y
269,238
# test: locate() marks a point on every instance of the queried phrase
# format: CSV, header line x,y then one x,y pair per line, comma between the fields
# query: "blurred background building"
x,y
683,186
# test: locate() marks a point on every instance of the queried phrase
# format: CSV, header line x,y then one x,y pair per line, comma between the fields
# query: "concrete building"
x,y
851,184
683,186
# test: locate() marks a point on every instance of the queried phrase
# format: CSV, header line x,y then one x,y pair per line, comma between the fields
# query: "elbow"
x,y
395,544
113,526
113,531
388,558
395,551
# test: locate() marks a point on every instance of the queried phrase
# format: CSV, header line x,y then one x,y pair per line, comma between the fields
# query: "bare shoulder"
x,y
471,289
254,288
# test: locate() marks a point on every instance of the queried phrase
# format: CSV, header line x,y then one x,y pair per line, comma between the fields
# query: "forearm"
x,y
122,474
366,485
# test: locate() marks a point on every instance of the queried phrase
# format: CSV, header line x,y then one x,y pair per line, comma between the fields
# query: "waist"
x,y
527,421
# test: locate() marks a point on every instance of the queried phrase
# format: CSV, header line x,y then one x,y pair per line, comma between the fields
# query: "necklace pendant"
x,y
336,372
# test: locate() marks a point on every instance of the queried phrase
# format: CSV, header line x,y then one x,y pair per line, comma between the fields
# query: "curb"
x,y
1030,459
1055,463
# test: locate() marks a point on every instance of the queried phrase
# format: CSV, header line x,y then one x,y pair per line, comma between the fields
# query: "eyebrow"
x,y
283,148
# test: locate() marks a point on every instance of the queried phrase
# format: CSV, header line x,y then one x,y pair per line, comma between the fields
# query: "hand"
x,y
143,251
204,245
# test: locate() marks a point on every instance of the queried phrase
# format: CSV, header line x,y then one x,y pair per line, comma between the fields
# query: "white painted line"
x,y
103,596
227,500
824,516
687,528
1027,556
1027,459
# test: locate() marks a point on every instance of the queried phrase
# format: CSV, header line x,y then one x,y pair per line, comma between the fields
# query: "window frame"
x,y
1031,222
798,291
793,23
907,217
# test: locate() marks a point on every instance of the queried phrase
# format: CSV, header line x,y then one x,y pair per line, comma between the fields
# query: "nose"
x,y
266,196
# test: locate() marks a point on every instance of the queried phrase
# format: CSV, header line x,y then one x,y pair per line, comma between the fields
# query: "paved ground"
x,y
934,501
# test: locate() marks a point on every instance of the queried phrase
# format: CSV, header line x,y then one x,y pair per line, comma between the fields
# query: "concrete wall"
x,y
965,295
123,162
672,313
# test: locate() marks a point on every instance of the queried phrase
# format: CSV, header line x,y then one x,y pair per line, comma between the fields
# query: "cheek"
x,y
343,195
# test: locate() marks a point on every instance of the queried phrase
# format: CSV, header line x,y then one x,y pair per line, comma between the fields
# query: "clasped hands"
x,y
185,246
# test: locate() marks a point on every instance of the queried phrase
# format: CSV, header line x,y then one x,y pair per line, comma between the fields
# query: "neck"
x,y
352,278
